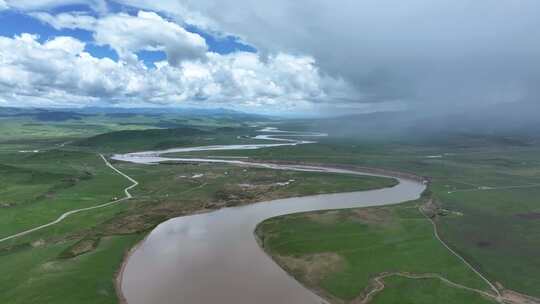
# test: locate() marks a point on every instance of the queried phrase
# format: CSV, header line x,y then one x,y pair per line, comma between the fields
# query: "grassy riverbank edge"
x,y
378,173
370,290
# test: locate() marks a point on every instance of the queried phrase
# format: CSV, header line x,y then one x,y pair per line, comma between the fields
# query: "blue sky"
x,y
15,22
270,56
57,54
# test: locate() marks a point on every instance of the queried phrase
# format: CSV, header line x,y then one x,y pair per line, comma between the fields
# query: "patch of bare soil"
x,y
483,244
529,216
6,205
327,217
377,216
234,195
131,223
514,297
312,268
243,194
81,247
51,266
38,243
430,208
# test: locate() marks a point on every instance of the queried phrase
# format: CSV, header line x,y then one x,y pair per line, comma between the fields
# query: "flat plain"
x,y
486,189
40,181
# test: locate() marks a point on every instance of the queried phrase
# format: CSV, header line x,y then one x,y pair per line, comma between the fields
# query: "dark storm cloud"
x,y
437,54
429,55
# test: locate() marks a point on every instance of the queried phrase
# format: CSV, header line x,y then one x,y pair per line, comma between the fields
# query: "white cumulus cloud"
x,y
128,34
149,31
435,55
3,5
32,5
73,20
60,72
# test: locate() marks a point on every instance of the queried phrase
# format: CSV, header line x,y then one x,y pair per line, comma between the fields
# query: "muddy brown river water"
x,y
215,258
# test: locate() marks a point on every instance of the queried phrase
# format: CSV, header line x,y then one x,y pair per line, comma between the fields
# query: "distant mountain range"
x,y
62,114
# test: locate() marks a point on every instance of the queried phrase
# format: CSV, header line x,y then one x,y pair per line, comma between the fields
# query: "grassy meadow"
x,y
407,291
338,253
487,185
490,186
76,260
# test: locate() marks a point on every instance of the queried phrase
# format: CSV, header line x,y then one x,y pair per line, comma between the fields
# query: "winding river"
x,y
214,257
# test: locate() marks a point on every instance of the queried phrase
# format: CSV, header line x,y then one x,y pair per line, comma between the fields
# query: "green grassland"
x,y
496,228
491,185
75,261
26,129
39,275
50,128
187,187
39,187
131,140
359,244
428,291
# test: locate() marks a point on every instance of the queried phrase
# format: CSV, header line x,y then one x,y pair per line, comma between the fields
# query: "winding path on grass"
x,y
378,285
489,188
287,142
71,212
214,257
462,259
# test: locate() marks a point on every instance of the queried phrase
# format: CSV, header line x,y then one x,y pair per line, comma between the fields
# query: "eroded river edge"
x,y
214,257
